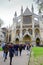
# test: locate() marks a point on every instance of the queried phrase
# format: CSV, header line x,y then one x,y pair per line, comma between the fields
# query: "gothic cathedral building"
x,y
27,27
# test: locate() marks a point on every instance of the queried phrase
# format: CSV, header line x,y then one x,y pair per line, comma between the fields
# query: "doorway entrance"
x,y
37,41
27,39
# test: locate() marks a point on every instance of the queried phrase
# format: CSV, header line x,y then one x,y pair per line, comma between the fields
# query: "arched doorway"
x,y
37,41
27,39
17,41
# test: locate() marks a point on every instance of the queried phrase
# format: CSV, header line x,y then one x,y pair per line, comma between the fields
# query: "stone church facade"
x,y
27,27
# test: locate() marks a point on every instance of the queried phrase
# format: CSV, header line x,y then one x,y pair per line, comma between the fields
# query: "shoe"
x,y
4,60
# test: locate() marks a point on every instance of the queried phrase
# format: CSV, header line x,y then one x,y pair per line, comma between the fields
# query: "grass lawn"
x,y
38,51
36,56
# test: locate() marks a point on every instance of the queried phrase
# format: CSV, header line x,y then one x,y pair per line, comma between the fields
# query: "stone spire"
x,y
21,10
15,18
15,14
32,9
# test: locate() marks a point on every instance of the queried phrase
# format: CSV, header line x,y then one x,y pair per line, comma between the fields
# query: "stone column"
x,y
33,31
33,35
33,26
21,29
41,27
14,31
21,24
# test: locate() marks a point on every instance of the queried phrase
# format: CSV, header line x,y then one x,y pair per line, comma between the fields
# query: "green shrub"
x,y
0,48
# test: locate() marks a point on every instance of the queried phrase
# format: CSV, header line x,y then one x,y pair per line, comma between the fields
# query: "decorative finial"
x,y
21,9
15,14
32,8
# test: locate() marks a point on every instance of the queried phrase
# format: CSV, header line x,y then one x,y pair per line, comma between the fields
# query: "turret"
x,y
32,9
15,14
15,18
21,10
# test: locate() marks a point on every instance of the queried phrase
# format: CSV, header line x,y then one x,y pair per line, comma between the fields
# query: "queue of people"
x,y
12,49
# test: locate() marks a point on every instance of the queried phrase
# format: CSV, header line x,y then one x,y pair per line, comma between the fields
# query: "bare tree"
x,y
40,4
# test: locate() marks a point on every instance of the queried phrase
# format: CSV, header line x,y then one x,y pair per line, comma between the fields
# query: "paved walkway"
x,y
17,60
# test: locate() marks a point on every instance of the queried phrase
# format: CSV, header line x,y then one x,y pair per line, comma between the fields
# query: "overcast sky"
x,y
8,8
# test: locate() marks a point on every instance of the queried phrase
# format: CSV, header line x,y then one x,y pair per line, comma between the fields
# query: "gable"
x,y
27,12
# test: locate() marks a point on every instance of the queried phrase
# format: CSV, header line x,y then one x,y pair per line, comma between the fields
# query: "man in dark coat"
x,y
16,49
20,49
11,52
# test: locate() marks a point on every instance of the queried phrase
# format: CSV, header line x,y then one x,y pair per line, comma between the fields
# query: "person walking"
x,y
5,51
16,49
11,52
27,48
20,49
